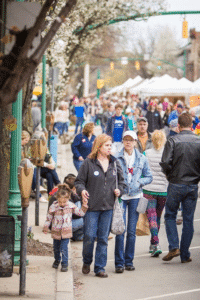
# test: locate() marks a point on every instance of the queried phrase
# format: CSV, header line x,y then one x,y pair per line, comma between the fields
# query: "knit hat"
x,y
173,123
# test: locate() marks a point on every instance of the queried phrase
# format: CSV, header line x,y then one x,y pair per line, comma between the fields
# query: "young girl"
x,y
60,214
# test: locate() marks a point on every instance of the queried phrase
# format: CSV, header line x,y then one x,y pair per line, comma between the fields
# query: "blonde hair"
x,y
98,143
25,134
88,128
63,190
158,139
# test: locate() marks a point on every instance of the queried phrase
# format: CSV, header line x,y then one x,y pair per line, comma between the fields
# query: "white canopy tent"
x,y
160,87
196,87
126,85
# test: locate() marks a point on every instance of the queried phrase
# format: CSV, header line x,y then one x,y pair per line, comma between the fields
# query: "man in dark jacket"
x,y
181,164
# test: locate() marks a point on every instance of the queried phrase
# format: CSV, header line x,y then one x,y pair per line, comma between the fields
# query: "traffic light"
x,y
185,29
112,65
137,65
100,83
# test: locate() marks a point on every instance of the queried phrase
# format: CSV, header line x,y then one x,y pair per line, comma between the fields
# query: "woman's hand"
x,y
80,158
51,166
117,192
85,195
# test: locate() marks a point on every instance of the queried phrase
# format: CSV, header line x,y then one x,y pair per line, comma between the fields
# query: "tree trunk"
x,y
4,160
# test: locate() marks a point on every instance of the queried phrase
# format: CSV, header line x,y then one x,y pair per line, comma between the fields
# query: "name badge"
x,y
96,173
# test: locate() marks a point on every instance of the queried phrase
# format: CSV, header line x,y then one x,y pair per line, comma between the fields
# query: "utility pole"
x,y
86,80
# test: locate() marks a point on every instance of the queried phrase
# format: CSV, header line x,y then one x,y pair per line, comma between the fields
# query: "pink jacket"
x,y
61,219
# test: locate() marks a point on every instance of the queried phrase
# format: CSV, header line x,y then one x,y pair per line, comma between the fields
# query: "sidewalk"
x,y
42,281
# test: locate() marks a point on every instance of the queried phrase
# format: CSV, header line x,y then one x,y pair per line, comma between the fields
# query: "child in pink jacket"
x,y
60,215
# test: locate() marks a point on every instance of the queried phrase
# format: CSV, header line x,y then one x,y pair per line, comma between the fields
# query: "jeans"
x,y
50,175
96,224
77,229
61,246
61,127
126,256
77,163
187,195
77,226
79,122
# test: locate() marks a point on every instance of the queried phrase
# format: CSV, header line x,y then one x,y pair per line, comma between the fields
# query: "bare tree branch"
x,y
26,66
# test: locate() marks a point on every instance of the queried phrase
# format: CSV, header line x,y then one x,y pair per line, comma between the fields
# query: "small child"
x,y
60,215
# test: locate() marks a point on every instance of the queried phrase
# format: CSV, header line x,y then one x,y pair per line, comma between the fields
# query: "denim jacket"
x,y
141,173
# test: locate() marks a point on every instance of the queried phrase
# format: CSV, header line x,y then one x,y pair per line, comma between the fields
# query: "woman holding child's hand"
x,y
96,183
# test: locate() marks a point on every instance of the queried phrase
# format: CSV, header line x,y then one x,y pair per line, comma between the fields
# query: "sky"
x,y
136,29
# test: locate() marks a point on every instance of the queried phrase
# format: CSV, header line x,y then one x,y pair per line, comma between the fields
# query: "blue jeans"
x,y
126,256
187,195
96,224
61,246
77,226
79,122
50,175
77,163
77,229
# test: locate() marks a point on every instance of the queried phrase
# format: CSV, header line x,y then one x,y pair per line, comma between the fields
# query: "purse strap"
x,y
115,164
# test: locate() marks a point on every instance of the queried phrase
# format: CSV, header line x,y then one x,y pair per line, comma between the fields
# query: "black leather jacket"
x,y
181,158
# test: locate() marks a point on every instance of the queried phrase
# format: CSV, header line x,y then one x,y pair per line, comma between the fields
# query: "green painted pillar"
x,y
14,202
98,77
44,91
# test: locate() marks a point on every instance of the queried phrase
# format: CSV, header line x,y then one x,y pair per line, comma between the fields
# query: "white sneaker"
x,y
42,199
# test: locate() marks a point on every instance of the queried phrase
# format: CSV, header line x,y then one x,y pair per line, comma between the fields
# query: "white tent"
x,y
126,85
196,87
139,87
160,87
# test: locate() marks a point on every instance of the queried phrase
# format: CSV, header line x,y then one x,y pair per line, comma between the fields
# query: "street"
x,y
152,278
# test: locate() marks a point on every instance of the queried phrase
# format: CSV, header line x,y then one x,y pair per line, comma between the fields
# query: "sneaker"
x,y
150,248
129,268
119,270
64,268
102,274
179,221
171,254
55,264
42,199
156,251
186,261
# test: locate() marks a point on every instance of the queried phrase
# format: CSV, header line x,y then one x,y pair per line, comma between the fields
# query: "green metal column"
x,y
44,91
14,202
98,77
184,62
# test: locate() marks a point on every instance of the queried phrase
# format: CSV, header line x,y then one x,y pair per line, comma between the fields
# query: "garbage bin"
x,y
54,147
7,238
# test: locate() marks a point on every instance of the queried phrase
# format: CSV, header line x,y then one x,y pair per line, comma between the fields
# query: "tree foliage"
x,y
67,33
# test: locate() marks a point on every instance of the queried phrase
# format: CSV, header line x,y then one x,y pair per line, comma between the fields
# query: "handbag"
x,y
117,225
142,205
142,227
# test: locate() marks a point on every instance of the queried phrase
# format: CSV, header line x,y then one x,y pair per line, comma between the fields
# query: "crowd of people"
x,y
146,150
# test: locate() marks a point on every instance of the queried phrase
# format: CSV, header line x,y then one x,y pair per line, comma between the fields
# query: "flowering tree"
x,y
67,32
71,22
